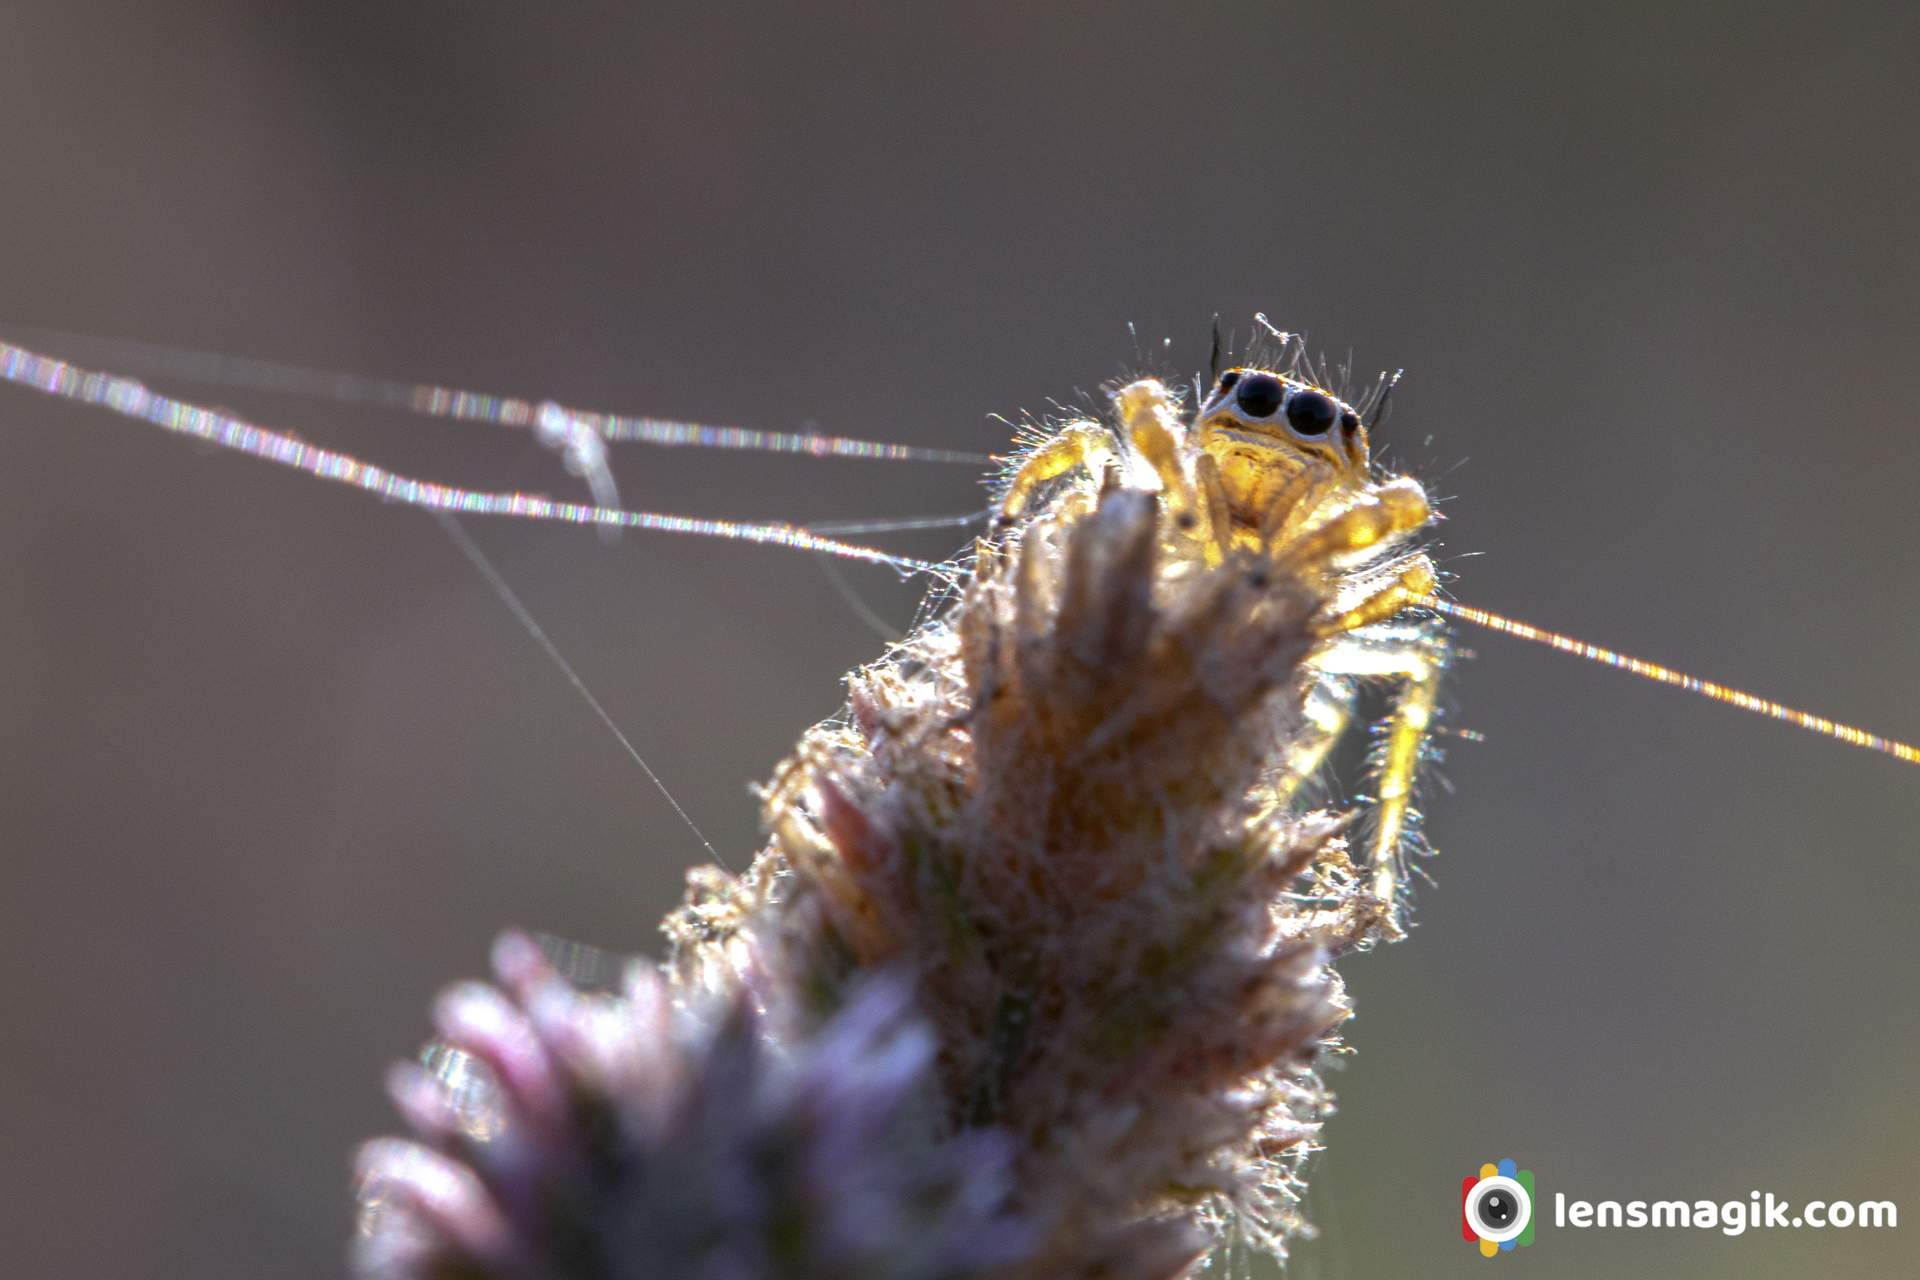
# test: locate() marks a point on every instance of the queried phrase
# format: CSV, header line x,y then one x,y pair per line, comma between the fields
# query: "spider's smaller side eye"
x,y
1311,413
1228,378
1349,421
1260,394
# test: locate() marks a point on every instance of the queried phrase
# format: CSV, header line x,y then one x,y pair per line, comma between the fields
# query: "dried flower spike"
x,y
1062,826
1069,804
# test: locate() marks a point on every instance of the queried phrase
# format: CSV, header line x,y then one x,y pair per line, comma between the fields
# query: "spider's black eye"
x,y
1311,413
1228,378
1349,421
1260,394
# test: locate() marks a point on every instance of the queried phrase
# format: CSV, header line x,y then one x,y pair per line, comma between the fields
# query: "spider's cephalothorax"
x,y
1263,430
1273,474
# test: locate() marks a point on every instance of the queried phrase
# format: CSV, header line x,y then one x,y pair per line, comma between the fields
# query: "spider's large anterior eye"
x,y
1260,394
1312,414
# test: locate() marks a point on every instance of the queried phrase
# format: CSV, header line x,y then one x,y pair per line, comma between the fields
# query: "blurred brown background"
x,y
274,765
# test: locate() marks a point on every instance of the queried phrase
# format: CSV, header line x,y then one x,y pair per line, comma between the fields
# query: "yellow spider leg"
x,y
1328,709
1328,706
1408,585
1414,659
1079,444
1152,425
1413,656
1394,508
1217,516
1407,726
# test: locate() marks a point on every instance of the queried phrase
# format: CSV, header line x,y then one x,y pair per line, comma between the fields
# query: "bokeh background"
x,y
275,765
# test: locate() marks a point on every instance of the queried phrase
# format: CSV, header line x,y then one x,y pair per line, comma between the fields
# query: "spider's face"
x,y
1264,429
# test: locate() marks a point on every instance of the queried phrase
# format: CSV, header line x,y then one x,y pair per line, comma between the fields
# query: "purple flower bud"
x,y
571,1134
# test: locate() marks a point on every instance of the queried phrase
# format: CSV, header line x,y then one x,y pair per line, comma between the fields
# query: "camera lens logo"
x,y
1496,1207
